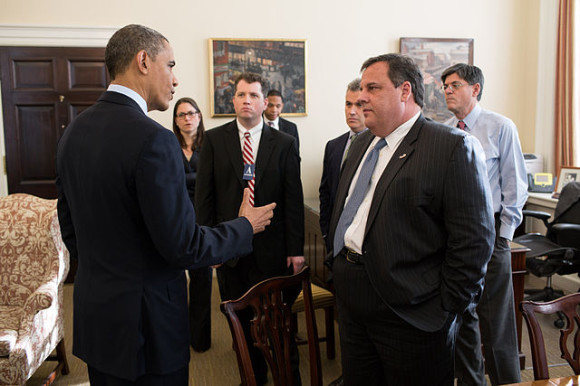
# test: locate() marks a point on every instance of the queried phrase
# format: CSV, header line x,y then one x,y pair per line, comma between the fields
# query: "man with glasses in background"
x,y
492,322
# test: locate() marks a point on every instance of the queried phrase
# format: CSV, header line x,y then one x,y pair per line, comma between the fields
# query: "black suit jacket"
x,y
220,185
125,214
330,174
430,230
290,128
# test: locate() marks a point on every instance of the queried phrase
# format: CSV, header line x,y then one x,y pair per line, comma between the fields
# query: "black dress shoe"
x,y
337,382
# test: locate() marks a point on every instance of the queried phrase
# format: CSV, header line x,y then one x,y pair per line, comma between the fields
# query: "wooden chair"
x,y
566,307
321,298
272,328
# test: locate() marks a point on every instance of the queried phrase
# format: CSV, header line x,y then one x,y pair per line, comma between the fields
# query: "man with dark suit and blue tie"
x,y
335,153
273,119
248,152
125,214
412,230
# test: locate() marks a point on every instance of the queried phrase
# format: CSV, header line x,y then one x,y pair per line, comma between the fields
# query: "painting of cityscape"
x,y
433,56
281,62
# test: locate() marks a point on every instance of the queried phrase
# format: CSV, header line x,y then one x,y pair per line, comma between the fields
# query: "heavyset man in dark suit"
x,y
221,177
415,253
272,113
335,153
126,216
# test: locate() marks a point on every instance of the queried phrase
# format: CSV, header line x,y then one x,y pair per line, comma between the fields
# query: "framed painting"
x,y
433,56
281,62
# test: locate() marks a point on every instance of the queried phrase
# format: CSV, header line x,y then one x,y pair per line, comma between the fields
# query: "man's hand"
x,y
296,261
259,217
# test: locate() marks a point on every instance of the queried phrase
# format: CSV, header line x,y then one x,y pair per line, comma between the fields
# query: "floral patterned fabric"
x,y
33,265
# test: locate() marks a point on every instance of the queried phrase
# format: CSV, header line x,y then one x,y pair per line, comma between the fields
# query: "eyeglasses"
x,y
189,114
453,86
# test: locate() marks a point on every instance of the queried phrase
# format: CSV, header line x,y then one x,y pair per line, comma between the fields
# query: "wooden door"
x,y
43,89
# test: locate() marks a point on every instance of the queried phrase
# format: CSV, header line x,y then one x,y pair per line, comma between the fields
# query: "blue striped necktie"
x,y
360,190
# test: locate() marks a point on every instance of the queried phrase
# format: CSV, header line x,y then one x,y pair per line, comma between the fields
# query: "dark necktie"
x,y
358,194
351,139
461,125
271,123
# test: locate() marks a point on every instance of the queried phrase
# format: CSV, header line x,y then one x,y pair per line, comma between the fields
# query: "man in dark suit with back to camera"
x,y
493,322
335,153
412,230
126,216
272,113
247,152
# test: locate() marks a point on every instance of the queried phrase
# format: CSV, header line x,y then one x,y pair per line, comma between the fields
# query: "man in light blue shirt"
x,y
492,322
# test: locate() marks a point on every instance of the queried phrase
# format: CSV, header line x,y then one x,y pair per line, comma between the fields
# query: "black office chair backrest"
x,y
567,211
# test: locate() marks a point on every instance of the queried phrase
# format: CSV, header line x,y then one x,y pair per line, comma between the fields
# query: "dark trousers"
x,y
233,283
200,308
177,378
378,347
492,323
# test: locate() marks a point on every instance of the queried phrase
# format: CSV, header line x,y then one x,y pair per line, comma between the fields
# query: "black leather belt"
x,y
351,256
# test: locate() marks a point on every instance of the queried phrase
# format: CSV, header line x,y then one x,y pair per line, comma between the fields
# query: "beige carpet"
x,y
218,366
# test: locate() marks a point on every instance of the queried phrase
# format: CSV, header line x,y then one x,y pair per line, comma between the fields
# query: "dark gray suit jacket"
x,y
430,230
126,216
329,182
289,128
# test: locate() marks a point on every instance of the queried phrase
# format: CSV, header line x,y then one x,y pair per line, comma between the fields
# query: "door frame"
x,y
45,36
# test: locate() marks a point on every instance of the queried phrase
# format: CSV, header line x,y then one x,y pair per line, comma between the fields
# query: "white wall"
x,y
341,35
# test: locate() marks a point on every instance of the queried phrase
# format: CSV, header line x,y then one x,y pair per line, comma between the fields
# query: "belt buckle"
x,y
349,259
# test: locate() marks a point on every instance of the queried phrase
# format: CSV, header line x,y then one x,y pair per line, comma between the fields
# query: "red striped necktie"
x,y
248,158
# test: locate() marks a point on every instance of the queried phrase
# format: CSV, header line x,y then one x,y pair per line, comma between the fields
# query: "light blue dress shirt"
x,y
506,167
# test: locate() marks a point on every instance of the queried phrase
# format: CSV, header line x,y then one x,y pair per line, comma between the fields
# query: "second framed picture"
x,y
433,56
281,62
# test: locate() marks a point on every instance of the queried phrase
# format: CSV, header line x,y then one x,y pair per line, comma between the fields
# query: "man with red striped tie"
x,y
246,152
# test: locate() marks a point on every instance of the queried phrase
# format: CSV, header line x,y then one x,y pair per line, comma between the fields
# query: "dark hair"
x,y
250,77
354,85
470,74
126,42
275,93
402,69
200,129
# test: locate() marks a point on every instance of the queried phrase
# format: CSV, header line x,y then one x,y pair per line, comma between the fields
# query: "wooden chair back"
x,y
272,328
566,307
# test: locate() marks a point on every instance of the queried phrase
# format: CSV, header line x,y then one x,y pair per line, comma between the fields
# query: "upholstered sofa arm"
x,y
40,299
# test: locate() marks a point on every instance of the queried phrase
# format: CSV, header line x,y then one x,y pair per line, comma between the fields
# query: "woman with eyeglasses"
x,y
189,130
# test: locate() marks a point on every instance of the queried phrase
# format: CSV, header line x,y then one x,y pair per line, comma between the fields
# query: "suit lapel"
x,y
403,153
264,151
234,150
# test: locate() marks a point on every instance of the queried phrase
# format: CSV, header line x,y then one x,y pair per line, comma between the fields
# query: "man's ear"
x,y
142,60
405,91
476,89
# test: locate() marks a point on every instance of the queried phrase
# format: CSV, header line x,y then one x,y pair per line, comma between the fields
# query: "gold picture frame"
x,y
282,63
565,175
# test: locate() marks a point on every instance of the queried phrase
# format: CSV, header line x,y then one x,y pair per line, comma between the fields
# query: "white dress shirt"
x,y
354,236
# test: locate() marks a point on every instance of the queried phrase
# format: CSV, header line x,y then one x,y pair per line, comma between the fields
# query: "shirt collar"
x,y
129,93
471,118
253,131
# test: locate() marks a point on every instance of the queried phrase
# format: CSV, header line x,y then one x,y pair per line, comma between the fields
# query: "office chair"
x,y
558,252
272,328
566,306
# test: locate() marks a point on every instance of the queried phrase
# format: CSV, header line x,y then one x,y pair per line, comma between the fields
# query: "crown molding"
x,y
61,36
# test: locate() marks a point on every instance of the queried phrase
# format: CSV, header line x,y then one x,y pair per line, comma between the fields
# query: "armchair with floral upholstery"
x,y
33,265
